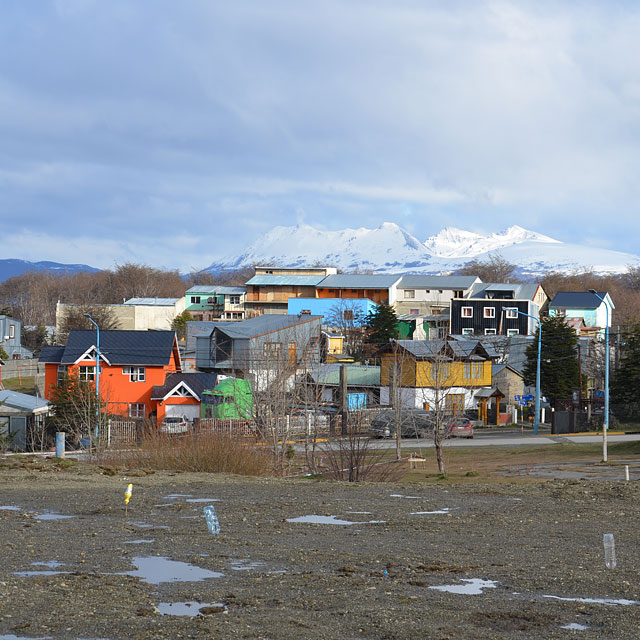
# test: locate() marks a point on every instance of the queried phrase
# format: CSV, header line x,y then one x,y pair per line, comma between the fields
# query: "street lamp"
x,y
605,422
95,324
536,420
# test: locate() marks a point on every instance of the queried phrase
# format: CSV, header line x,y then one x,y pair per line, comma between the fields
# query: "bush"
x,y
208,453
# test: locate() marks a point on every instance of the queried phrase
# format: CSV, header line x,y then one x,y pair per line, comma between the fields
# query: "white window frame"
x,y
463,311
136,374
489,312
62,373
87,373
195,299
511,313
513,332
234,299
490,332
410,293
467,331
137,410
12,331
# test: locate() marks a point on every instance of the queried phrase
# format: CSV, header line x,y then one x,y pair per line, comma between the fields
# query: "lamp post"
x,y
95,324
536,420
605,422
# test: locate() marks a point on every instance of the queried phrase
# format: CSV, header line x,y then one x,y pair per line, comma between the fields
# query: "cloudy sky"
x,y
174,133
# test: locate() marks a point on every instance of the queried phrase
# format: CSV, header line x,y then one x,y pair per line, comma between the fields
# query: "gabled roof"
x,y
23,402
253,327
357,375
300,281
148,348
498,368
195,382
437,282
579,300
490,289
359,281
458,349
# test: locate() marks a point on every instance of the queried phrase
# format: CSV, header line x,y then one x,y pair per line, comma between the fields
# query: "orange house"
x,y
132,363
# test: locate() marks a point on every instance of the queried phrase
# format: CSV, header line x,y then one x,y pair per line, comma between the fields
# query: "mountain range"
x,y
392,249
10,267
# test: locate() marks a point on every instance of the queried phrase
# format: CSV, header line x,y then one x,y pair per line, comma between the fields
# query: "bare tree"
x,y
348,319
494,269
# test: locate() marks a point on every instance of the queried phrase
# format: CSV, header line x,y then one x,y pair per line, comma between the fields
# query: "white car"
x,y
177,424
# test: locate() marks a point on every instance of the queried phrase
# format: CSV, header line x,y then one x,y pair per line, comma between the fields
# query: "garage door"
x,y
191,411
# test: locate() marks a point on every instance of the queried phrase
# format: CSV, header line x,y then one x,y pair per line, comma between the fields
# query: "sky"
x,y
175,133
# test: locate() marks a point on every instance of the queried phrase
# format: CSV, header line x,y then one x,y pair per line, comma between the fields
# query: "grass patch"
x,y
24,384
207,453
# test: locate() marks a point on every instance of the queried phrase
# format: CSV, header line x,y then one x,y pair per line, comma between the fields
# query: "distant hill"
x,y
13,267
391,249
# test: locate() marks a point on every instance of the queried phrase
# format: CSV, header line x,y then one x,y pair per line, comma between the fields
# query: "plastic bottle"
x,y
609,551
212,519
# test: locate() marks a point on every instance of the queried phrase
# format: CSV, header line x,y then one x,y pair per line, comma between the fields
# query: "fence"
x,y
244,428
122,433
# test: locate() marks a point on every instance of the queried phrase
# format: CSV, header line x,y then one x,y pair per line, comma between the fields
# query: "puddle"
x,y
202,500
426,513
9,508
399,495
575,626
246,565
191,608
173,496
146,525
51,516
141,541
607,601
10,636
328,520
29,574
157,569
358,513
474,586
51,564
165,504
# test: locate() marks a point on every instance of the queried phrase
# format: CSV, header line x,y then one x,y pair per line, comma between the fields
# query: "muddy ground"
x,y
537,545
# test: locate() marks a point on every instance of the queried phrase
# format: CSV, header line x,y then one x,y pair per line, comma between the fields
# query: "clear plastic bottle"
x,y
211,517
609,551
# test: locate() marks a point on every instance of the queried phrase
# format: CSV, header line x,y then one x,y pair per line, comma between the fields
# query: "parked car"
x,y
414,423
174,424
459,427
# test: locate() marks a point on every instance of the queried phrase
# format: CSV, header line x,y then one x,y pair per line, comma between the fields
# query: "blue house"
x,y
11,338
334,311
585,305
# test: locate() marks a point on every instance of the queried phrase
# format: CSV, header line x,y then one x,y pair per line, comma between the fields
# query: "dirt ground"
x,y
532,551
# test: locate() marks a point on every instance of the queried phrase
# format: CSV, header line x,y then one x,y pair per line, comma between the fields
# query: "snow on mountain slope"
x,y
391,249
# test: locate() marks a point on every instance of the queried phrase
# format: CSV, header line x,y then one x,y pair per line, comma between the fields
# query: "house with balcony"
x,y
423,295
378,288
270,289
498,309
263,349
595,313
451,375
213,302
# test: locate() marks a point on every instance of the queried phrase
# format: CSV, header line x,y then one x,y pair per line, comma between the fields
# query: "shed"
x,y
20,413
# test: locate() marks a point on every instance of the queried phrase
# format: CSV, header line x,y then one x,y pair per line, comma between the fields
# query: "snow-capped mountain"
x,y
391,249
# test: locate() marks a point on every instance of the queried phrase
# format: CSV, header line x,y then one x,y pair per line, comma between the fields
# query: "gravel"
x,y
511,560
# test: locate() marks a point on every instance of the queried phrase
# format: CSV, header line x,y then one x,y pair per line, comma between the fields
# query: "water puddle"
x,y
50,564
399,495
174,496
51,516
246,565
359,513
203,500
146,525
29,574
9,508
607,601
428,513
141,541
474,586
576,626
328,520
10,636
157,569
191,608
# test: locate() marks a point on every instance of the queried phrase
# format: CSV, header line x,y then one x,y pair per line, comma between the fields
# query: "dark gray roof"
x,y
357,375
428,349
519,291
197,328
197,382
436,282
577,300
510,349
149,348
359,281
262,324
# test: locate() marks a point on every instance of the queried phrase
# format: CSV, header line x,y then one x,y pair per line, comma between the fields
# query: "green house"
x,y
231,399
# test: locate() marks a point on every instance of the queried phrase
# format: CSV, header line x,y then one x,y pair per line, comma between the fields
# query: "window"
x,y
347,315
234,299
454,402
467,312
87,374
467,332
137,410
489,332
62,374
512,332
12,331
195,299
414,312
457,294
489,312
511,313
473,370
427,290
272,350
136,374
409,293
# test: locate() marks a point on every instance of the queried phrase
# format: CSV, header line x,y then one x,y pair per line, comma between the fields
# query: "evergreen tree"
x,y
559,365
382,324
625,386
179,324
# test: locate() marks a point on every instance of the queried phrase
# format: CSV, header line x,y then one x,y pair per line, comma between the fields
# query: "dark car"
x,y
413,424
